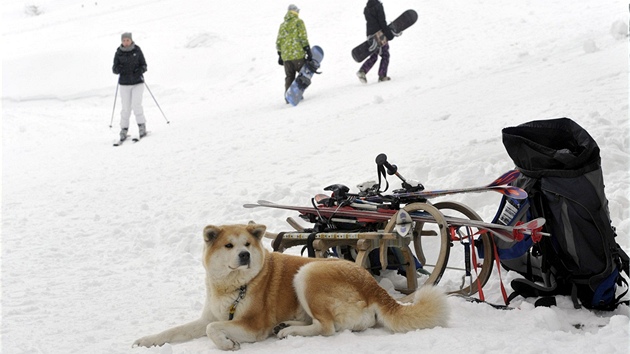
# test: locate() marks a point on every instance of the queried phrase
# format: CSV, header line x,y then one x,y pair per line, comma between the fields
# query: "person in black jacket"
x,y
130,64
375,21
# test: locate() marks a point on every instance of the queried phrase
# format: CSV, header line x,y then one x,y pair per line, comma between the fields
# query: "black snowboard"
x,y
375,41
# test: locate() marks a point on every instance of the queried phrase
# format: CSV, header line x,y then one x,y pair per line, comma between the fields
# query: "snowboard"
x,y
378,39
303,80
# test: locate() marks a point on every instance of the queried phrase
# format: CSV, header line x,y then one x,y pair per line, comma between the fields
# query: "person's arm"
x,y
141,61
383,23
117,65
301,34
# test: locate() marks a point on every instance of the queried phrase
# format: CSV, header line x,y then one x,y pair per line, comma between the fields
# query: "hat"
x,y
293,8
126,35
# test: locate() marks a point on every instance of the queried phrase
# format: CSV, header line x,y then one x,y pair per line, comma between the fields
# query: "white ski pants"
x,y
131,100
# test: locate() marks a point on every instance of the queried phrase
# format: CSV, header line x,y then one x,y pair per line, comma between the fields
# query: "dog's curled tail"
x,y
429,309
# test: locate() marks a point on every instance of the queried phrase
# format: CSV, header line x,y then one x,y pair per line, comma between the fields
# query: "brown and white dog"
x,y
252,293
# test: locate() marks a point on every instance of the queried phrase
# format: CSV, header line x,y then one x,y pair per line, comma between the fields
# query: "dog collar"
x,y
241,295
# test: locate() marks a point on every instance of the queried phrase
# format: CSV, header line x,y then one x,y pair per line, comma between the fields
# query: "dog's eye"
x,y
247,244
229,245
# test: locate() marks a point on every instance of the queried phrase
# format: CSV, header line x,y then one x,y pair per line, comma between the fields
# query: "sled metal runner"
x,y
445,242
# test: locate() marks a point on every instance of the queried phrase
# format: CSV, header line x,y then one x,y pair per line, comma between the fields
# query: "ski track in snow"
x,y
102,245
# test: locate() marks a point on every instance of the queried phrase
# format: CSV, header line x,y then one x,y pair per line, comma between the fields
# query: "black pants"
x,y
291,68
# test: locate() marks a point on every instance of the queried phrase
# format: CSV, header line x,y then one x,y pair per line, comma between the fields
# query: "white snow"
x,y
102,245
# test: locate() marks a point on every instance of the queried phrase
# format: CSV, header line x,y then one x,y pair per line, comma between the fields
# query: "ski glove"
x,y
280,61
309,55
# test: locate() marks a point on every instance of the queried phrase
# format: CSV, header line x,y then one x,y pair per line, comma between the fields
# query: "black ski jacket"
x,y
130,64
375,17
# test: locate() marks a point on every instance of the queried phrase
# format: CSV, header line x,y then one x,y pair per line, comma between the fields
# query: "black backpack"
x,y
561,172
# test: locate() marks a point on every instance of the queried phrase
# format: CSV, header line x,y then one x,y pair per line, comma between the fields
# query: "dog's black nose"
x,y
243,258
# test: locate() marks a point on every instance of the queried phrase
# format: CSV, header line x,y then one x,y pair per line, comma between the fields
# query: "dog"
x,y
252,293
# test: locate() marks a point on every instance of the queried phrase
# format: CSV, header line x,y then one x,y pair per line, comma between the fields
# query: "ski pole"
x,y
414,186
156,102
114,108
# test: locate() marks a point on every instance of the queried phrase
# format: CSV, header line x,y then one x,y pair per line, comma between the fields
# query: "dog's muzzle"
x,y
243,258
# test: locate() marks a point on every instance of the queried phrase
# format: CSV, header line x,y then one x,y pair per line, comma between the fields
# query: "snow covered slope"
x,y
101,245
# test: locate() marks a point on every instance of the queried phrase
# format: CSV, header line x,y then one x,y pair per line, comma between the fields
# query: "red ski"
x,y
498,185
508,233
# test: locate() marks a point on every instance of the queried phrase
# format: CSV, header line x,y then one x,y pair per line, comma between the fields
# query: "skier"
x,y
129,63
292,45
375,21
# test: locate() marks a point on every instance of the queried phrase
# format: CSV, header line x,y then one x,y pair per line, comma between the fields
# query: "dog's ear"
x,y
257,230
210,233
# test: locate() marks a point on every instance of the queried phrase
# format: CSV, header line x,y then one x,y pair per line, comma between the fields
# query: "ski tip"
x,y
536,223
249,206
321,197
136,139
506,178
403,223
513,192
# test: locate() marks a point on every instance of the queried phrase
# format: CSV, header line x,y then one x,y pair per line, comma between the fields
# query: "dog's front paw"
x,y
227,344
149,341
220,339
278,328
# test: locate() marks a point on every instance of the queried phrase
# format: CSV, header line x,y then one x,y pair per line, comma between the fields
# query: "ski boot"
x,y
384,78
123,134
361,76
142,130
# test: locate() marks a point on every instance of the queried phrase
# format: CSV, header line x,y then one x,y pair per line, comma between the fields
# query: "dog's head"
x,y
233,250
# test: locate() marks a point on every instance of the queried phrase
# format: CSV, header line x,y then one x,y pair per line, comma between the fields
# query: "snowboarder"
x,y
130,64
292,45
375,21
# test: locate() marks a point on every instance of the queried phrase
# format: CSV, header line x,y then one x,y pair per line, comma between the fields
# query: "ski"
x,y
120,142
508,233
138,138
498,185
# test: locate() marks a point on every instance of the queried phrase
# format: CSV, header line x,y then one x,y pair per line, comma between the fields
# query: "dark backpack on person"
x,y
561,172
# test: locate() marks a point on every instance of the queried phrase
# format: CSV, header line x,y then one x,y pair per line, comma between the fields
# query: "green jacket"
x,y
292,37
